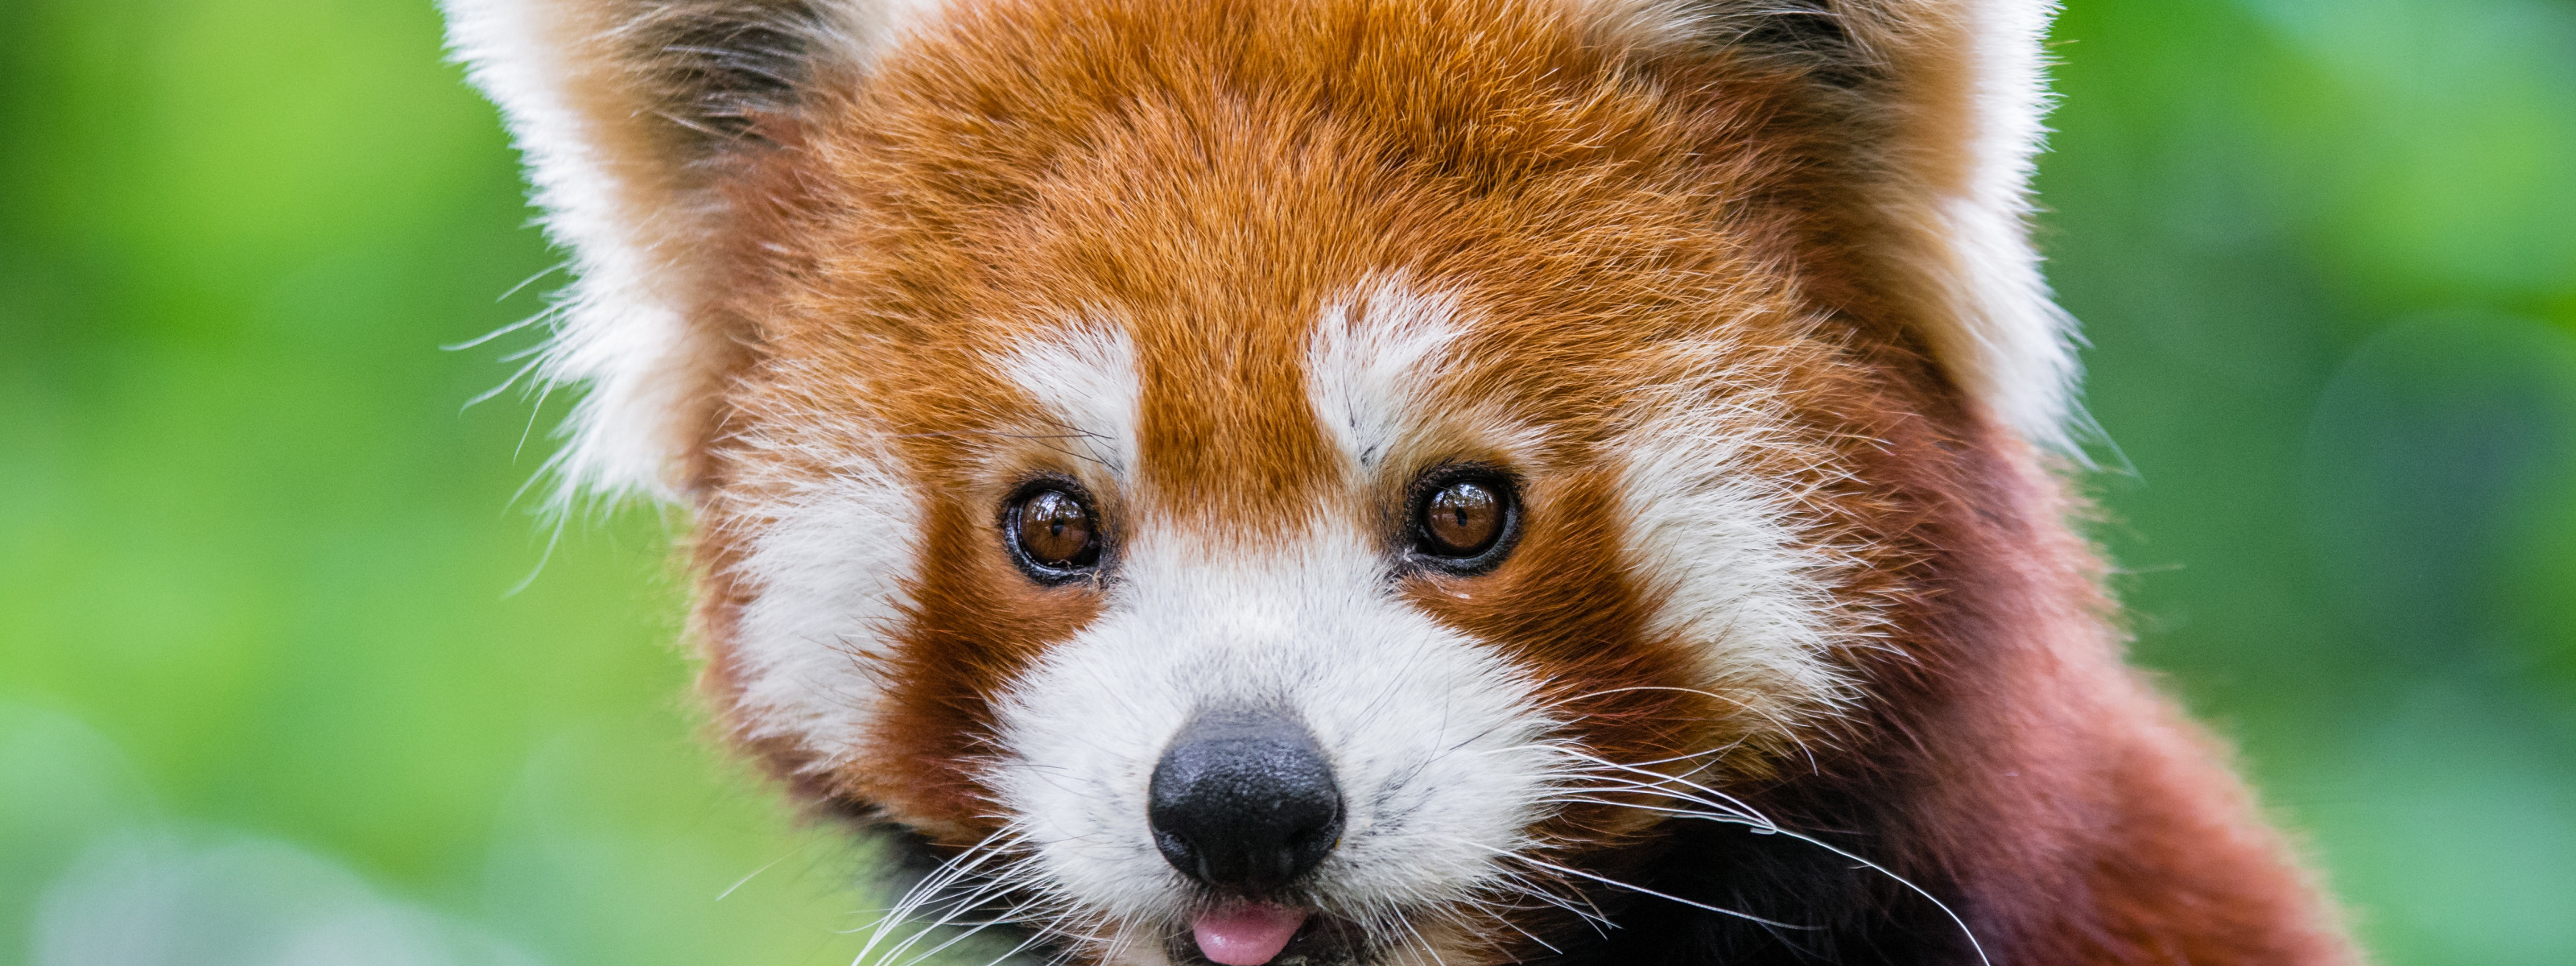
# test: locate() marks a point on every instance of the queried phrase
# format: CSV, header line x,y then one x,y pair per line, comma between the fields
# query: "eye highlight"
x,y
1464,519
1051,531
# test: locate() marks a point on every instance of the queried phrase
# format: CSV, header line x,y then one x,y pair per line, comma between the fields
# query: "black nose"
x,y
1244,801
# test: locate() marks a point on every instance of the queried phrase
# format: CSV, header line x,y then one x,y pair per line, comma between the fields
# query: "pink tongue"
x,y
1247,935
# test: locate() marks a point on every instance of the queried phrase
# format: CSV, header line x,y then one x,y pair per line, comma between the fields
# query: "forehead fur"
x,y
637,120
986,186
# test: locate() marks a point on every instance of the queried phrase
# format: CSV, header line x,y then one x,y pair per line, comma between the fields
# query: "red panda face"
x,y
1057,620
1349,481
1451,517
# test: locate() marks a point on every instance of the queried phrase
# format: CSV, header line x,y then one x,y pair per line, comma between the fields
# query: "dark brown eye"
x,y
1463,520
1053,533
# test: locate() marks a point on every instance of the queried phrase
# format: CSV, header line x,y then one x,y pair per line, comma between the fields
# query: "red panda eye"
x,y
1052,532
1464,519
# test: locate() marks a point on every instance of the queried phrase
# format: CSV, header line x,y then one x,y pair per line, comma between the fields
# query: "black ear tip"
x,y
1815,36
716,65
1244,801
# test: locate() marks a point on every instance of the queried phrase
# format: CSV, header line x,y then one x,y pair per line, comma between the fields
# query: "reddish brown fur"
x,y
1209,175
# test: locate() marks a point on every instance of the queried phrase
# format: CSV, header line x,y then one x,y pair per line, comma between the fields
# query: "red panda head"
x,y
1222,471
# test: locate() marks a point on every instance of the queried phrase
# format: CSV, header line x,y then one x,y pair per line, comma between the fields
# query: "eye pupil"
x,y
1055,531
1462,519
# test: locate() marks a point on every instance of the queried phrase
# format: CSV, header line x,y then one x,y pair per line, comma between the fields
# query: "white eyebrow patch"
x,y
1370,361
1085,378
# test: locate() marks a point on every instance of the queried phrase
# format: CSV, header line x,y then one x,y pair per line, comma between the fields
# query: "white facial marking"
x,y
1436,742
1369,362
1372,368
826,571
1433,739
1085,378
1716,534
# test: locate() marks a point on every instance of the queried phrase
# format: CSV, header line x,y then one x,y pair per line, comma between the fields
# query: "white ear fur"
x,y
1973,125
1952,95
616,122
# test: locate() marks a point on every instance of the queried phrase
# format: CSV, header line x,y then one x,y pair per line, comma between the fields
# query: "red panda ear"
x,y
1942,103
626,111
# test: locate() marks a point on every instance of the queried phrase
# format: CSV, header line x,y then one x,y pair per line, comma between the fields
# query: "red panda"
x,y
1359,482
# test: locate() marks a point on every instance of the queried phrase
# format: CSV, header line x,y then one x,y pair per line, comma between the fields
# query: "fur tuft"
x,y
1946,101
625,112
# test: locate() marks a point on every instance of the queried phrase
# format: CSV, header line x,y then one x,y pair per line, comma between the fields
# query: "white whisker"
x,y
1614,883
1757,823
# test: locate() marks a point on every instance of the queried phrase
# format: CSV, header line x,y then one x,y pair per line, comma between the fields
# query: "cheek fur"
x,y
974,623
805,571
1565,611
1727,499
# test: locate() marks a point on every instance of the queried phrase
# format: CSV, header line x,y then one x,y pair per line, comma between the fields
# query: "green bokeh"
x,y
255,628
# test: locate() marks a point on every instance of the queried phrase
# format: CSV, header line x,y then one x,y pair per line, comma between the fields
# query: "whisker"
x,y
929,887
960,937
1662,791
1667,810
1606,880
1903,881
1515,927
964,905
1661,778
1765,826
1426,943
1024,945
1593,915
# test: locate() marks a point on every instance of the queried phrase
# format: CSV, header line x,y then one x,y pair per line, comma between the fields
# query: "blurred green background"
x,y
264,697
